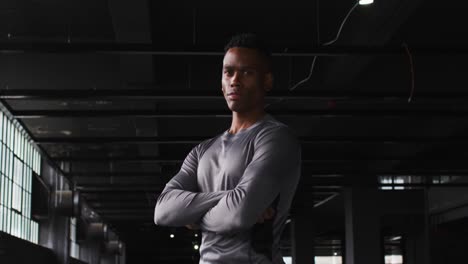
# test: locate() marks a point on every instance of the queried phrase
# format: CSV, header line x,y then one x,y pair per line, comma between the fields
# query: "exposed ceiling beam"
x,y
327,188
305,186
306,158
154,92
116,174
314,172
112,189
303,140
323,113
157,189
114,159
127,217
330,173
153,49
120,204
146,210
117,199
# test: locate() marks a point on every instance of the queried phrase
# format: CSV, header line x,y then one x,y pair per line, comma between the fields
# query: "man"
x,y
237,187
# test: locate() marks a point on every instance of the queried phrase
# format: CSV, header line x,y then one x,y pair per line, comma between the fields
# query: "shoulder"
x,y
274,130
201,148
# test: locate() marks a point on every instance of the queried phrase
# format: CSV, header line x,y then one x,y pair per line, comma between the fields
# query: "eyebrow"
x,y
232,67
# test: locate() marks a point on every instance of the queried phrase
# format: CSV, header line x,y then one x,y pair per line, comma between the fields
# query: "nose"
x,y
235,80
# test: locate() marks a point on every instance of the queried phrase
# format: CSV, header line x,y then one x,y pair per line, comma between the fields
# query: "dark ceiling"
x,y
118,92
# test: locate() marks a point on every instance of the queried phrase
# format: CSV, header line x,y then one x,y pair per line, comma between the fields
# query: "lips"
x,y
233,96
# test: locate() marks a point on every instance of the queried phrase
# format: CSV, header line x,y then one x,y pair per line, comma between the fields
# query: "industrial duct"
x,y
97,231
66,202
114,247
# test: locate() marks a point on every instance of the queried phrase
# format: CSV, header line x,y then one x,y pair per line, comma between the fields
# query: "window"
x,y
74,246
328,260
393,259
399,182
18,159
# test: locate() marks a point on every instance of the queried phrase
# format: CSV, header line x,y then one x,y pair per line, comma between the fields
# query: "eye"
x,y
228,72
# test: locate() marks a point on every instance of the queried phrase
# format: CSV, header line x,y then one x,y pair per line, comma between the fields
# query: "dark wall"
x,y
17,251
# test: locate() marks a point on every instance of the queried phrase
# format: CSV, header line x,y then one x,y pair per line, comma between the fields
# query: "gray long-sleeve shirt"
x,y
227,182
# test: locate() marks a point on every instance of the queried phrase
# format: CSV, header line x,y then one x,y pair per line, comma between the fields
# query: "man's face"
x,y
245,80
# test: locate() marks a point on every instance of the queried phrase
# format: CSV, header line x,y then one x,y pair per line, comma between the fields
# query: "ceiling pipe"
x,y
66,203
151,49
153,92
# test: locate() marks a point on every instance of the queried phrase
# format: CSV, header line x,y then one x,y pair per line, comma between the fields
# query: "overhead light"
x,y
196,235
366,2
335,254
171,236
196,247
66,132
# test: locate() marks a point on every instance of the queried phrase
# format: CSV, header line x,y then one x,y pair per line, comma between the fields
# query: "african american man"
x,y
237,187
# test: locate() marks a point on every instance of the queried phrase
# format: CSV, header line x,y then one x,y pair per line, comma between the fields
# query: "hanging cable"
x,y
341,26
308,77
325,44
410,58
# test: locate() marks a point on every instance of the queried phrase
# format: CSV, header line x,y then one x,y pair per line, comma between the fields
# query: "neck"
x,y
245,120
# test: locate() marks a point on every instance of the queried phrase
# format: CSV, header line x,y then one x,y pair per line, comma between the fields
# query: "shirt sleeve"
x,y
180,203
277,159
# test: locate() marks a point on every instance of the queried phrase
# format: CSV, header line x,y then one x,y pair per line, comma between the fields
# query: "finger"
x,y
269,211
269,214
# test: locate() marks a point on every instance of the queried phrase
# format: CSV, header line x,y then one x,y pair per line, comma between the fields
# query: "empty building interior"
x,y
101,101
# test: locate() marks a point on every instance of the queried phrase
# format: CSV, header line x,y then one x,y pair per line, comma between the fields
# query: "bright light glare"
x,y
195,247
393,259
366,2
172,235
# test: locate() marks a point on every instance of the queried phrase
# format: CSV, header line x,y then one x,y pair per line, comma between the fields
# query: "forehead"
x,y
242,57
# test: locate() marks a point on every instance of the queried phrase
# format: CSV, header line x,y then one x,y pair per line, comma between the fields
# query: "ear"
x,y
268,82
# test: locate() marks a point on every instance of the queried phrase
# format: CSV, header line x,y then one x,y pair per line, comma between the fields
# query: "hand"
x,y
193,227
267,215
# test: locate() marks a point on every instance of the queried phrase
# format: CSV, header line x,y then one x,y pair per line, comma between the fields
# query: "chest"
x,y
223,163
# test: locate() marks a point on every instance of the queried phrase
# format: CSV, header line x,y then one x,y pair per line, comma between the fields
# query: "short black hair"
x,y
251,41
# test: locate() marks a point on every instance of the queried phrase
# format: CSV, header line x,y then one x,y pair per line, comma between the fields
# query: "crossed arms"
x,y
276,157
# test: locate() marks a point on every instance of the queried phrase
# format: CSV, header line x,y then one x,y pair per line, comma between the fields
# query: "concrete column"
x,y
302,239
415,248
362,225
416,243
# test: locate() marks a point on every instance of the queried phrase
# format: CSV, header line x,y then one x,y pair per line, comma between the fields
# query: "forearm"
x,y
237,210
225,217
176,207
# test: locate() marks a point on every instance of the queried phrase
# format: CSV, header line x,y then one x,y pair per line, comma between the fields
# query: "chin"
x,y
235,107
240,108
